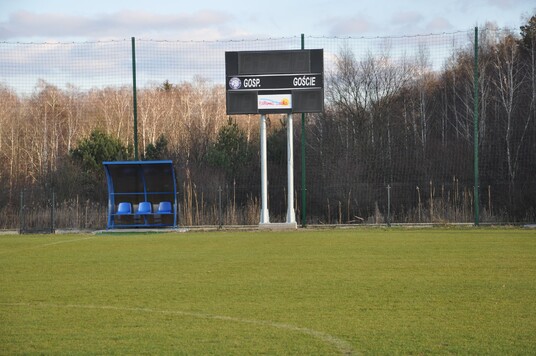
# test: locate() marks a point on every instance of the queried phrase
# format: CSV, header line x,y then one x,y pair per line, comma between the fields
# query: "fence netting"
x,y
395,142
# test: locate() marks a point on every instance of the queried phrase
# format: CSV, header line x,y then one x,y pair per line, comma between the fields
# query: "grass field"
x,y
362,291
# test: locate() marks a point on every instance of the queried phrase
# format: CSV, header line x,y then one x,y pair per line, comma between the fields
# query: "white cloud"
x,y
24,24
407,18
348,26
438,24
502,4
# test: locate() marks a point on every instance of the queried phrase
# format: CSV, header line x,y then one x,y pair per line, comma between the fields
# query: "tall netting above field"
x,y
400,121
395,142
398,127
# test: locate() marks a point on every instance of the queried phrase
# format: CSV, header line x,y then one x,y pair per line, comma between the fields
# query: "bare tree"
x,y
9,135
510,73
74,116
114,111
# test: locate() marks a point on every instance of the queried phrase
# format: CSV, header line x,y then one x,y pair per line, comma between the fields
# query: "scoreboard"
x,y
262,82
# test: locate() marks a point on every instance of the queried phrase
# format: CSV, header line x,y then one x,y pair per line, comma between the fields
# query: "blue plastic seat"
x,y
145,207
164,208
124,208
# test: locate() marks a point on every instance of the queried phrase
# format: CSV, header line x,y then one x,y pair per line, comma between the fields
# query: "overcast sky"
x,y
74,20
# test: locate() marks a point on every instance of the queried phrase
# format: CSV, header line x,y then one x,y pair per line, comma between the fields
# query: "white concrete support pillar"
x,y
265,216
291,214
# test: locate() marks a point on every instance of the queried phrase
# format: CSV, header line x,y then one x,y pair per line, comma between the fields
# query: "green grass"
x,y
363,291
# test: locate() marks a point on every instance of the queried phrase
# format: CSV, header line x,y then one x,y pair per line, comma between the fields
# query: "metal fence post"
x,y
52,212
388,205
304,188
21,217
220,217
475,133
134,99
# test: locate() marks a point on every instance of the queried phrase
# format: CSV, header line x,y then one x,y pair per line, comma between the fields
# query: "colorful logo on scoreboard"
x,y
274,101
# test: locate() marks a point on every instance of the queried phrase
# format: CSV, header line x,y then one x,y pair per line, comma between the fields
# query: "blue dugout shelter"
x,y
141,194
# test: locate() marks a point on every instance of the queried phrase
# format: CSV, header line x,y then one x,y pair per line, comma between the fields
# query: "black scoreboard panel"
x,y
308,100
244,102
273,62
299,72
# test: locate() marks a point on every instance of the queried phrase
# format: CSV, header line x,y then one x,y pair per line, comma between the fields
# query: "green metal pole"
x,y
304,188
475,149
134,99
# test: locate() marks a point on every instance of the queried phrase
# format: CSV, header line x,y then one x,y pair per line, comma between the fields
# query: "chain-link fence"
x,y
394,144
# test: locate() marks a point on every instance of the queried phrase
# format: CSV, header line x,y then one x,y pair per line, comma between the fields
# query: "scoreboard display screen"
x,y
260,82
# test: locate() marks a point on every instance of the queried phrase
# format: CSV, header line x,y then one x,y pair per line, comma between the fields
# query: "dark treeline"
x,y
405,126
397,130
